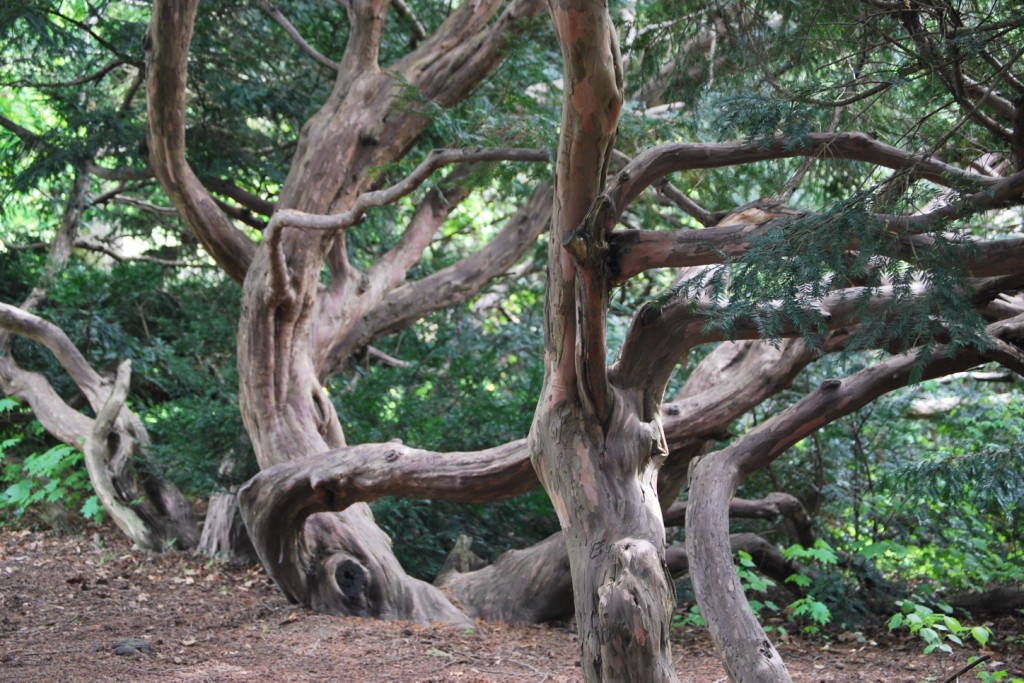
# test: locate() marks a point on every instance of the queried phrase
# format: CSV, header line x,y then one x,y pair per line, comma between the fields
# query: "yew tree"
x,y
882,144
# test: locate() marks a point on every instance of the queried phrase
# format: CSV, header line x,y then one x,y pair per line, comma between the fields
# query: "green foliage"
x,y
759,118
693,617
998,676
179,333
928,505
472,383
782,279
936,629
52,476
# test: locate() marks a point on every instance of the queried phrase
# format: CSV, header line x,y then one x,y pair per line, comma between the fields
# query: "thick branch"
x,y
366,26
588,245
168,39
637,251
659,161
591,104
276,502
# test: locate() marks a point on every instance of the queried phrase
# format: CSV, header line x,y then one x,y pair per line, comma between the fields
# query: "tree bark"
x,y
224,535
342,563
597,447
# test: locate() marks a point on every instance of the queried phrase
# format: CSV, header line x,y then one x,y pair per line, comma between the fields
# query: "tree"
x,y
880,268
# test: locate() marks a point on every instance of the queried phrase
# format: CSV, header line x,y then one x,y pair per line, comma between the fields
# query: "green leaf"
x,y
91,508
820,613
981,634
799,579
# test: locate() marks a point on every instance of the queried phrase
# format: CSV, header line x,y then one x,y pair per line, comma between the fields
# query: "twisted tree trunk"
x,y
294,331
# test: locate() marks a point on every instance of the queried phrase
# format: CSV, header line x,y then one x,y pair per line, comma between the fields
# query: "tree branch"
x,y
25,324
168,39
404,305
434,160
659,161
276,502
296,37
98,467
20,131
637,251
232,191
403,10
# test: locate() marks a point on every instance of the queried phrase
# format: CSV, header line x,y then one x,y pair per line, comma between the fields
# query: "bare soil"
x,y
76,608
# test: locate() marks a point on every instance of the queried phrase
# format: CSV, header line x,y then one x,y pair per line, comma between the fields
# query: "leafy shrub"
x,y
56,475
936,629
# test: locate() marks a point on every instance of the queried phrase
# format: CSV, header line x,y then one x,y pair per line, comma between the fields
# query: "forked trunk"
x,y
603,486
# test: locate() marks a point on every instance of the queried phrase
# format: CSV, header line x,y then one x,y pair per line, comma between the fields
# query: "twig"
x,y
965,668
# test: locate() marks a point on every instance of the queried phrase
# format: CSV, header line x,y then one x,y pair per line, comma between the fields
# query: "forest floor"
x,y
80,608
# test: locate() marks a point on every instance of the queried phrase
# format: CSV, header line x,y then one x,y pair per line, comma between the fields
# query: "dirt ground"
x,y
76,608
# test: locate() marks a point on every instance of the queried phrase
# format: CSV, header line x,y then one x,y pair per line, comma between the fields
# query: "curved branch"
x,y
97,464
656,162
437,158
732,379
25,324
277,502
296,37
168,39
